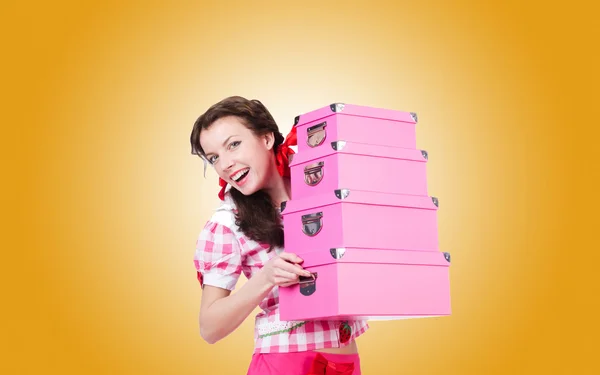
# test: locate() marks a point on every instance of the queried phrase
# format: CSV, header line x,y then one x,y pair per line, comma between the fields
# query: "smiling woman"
x,y
236,158
242,142
237,135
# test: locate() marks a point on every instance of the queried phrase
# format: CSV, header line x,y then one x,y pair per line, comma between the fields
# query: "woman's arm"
x,y
222,312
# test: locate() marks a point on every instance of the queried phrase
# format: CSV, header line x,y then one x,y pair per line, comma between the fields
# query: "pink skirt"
x,y
304,363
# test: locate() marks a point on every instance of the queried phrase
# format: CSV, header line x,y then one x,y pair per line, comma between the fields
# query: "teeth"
x,y
237,176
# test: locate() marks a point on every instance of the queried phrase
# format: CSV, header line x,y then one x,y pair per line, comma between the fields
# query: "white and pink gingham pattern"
x,y
223,253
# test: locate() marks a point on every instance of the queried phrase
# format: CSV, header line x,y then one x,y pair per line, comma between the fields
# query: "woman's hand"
x,y
284,270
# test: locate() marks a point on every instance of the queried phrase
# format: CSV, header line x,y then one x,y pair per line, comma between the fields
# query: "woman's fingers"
x,y
302,271
290,264
284,275
284,283
292,268
290,257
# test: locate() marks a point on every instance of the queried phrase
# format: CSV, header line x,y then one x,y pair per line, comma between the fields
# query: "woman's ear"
x,y
269,140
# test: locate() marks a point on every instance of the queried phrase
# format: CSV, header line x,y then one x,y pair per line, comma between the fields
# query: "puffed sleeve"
x,y
218,257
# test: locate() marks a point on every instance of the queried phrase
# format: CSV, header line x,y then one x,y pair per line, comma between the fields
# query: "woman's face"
x,y
240,158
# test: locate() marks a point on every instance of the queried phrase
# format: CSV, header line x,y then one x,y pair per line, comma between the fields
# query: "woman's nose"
x,y
227,163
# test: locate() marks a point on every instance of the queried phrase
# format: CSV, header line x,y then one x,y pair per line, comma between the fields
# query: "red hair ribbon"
x,y
282,159
322,366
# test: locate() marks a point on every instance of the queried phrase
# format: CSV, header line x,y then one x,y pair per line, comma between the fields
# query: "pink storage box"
x,y
358,166
354,218
354,123
355,283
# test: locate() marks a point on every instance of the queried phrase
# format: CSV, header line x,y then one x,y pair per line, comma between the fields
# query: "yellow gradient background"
x,y
102,200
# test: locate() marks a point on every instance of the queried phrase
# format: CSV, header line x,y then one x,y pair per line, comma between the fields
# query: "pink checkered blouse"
x,y
223,252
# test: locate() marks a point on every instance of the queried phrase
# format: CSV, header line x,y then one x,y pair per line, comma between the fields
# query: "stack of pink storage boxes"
x,y
361,218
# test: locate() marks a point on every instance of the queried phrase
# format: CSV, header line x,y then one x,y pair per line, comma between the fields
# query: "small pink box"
x,y
354,123
355,218
356,283
358,166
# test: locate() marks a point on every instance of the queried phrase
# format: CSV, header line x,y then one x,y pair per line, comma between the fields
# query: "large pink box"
x,y
356,283
354,123
359,166
363,219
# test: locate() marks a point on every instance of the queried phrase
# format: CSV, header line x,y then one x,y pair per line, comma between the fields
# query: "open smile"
x,y
239,177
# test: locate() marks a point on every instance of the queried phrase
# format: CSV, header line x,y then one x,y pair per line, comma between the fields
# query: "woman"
x,y
241,140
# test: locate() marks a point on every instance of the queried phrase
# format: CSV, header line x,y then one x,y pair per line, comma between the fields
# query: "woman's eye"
x,y
212,159
234,144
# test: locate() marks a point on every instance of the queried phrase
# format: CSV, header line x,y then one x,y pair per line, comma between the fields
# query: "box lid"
x,y
355,110
347,196
362,255
344,147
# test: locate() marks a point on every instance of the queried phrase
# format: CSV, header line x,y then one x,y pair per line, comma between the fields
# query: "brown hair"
x,y
257,218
